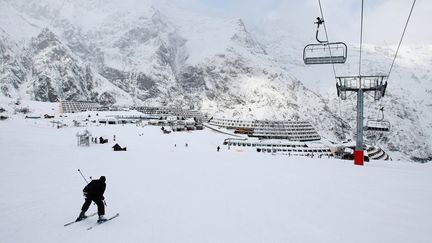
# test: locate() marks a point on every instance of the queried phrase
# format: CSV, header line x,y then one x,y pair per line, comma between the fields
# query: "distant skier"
x,y
94,192
218,148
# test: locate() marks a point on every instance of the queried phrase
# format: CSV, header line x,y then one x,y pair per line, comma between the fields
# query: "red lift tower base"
x,y
358,157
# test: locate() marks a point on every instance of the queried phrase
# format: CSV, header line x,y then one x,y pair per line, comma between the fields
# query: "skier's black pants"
x,y
99,203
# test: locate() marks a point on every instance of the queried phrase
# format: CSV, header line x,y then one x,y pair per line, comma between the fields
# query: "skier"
x,y
94,192
218,148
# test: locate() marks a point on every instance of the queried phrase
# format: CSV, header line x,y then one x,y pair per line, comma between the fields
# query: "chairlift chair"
x,y
327,53
324,52
379,125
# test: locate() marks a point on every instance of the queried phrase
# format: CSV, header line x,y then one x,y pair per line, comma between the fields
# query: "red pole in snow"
x,y
358,157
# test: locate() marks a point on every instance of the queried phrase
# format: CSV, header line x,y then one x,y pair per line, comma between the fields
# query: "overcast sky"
x,y
383,19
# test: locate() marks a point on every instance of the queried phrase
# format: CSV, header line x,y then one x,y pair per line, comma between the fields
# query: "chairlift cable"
x,y
325,30
371,96
334,69
400,41
340,112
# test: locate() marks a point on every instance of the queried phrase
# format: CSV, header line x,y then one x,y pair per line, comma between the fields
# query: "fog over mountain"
x,y
139,53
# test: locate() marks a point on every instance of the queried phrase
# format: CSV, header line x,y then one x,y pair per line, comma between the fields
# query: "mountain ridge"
x,y
218,66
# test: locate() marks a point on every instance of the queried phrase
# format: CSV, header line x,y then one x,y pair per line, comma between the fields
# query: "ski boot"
x,y
81,216
101,219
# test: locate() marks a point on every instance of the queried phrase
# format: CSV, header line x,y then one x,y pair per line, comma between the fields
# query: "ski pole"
x,y
84,179
82,176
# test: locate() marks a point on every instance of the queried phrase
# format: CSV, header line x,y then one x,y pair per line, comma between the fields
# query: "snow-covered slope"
x,y
195,194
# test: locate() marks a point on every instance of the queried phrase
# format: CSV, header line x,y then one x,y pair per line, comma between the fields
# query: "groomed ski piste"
x,y
167,192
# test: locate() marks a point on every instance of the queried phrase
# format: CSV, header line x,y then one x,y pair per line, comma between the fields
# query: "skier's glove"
x,y
85,194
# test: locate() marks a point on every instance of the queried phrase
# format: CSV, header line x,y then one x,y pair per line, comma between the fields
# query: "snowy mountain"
x,y
208,63
134,52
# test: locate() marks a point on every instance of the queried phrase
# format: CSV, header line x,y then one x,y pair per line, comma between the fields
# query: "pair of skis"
x,y
93,214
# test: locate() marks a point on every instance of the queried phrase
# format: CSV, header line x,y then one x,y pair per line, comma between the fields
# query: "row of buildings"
x,y
292,137
80,106
290,130
157,112
265,129
164,112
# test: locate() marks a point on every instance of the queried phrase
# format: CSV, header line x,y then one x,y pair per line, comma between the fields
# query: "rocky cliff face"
x,y
14,66
56,73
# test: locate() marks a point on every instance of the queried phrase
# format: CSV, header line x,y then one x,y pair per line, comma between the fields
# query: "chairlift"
x,y
324,52
379,125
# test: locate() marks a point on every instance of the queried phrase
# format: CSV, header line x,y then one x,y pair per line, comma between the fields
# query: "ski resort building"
x,y
170,111
292,138
282,147
78,106
292,130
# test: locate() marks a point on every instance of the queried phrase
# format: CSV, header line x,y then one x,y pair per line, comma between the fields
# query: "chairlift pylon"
x,y
324,52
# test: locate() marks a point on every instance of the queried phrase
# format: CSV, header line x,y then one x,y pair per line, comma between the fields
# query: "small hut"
x,y
117,147
83,139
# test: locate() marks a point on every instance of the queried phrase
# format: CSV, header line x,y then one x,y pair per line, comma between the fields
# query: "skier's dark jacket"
x,y
95,189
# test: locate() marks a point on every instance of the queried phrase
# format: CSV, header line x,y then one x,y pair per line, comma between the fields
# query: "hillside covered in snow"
x,y
166,191
147,53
